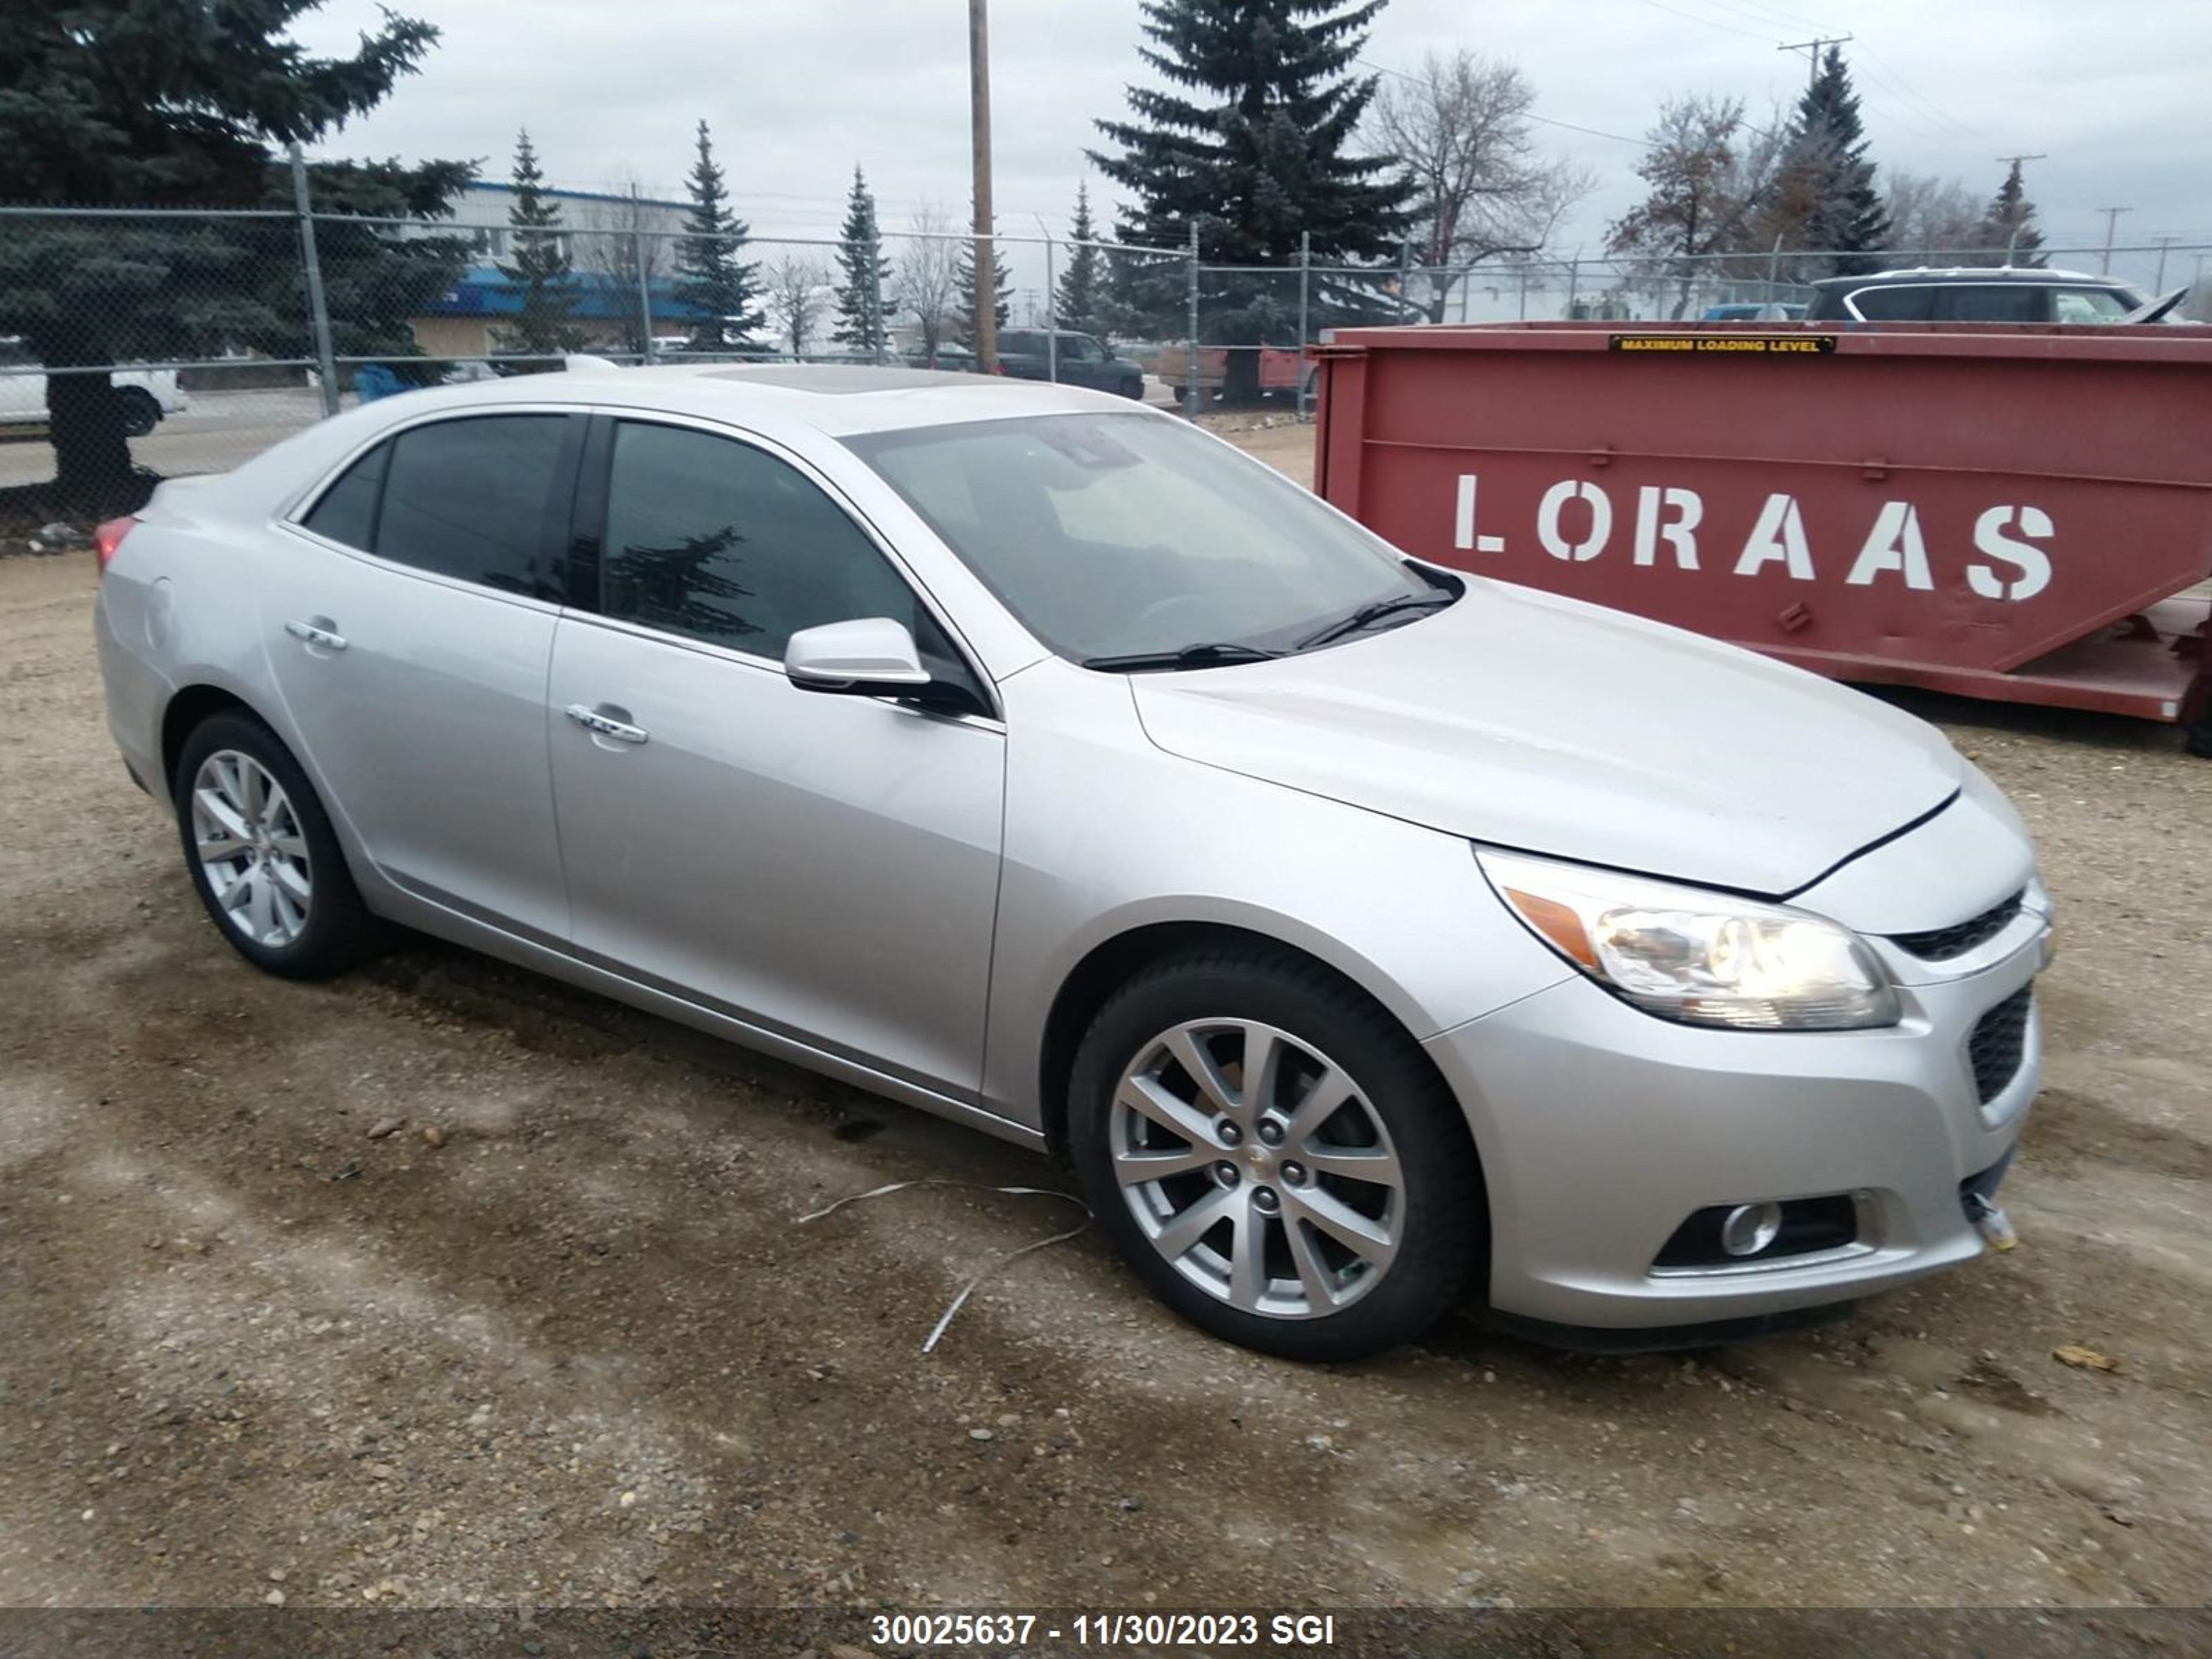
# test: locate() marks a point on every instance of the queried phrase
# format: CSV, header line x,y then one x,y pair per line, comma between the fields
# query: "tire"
x,y
1132,388
1276,1278
141,413
290,845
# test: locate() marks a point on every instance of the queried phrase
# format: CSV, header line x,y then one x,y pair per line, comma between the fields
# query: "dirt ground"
x,y
584,1351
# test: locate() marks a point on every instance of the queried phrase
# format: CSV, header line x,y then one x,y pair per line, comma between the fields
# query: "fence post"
x,y
1574,285
1305,280
1051,316
1406,279
645,301
1190,363
319,312
1773,269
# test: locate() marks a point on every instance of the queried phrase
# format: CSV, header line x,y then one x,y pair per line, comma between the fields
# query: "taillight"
x,y
109,537
997,367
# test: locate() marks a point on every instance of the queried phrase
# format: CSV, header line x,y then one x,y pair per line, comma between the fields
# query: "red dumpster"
x,y
2013,512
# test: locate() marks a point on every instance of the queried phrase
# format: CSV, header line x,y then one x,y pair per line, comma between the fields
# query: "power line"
x,y
1527,115
1693,17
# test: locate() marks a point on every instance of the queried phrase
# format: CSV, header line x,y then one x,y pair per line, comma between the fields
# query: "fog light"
x,y
1750,1228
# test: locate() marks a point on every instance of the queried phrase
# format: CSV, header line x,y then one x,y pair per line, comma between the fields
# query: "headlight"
x,y
1701,957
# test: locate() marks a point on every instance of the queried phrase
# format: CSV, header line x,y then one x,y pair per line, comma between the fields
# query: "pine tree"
x,y
862,323
541,268
1080,302
122,103
2011,223
1002,291
711,279
1826,183
1254,146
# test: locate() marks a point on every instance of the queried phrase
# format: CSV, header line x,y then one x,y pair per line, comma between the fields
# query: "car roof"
x,y
1973,274
837,400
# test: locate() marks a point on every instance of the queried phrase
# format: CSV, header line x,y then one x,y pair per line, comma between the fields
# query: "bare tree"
x,y
615,242
798,296
1460,126
1930,215
925,281
1709,176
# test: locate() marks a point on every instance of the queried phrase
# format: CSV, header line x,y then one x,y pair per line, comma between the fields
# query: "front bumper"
x,y
1601,1128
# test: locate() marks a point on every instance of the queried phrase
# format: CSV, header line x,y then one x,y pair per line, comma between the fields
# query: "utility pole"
x,y
986,297
2158,282
1812,51
2111,217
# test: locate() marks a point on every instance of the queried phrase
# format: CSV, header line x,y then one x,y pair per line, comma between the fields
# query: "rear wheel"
x,y
262,855
1274,1157
139,411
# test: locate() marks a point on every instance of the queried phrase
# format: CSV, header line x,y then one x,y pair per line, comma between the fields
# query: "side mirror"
x,y
869,656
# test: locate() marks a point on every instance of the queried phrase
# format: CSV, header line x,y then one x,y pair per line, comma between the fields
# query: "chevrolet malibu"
x,y
1367,935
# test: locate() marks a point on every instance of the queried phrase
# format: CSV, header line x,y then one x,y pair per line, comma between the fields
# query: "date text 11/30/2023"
x,y
1276,1633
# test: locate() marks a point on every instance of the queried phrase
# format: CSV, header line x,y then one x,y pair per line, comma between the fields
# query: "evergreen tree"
x,y
710,276
1080,302
1002,291
541,268
1254,145
156,103
862,323
1825,198
2011,223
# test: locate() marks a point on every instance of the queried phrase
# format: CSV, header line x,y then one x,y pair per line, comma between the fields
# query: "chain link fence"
x,y
181,341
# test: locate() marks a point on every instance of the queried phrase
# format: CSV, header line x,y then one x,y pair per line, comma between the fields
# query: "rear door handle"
x,y
317,633
605,726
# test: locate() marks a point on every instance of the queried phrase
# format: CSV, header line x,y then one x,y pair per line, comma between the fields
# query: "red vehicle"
x,y
2018,514
1279,371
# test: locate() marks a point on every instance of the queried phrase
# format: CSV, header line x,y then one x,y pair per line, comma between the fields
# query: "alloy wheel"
x,y
1257,1167
250,849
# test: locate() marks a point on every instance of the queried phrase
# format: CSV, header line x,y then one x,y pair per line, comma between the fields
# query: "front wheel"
x,y
1275,1156
262,855
1132,388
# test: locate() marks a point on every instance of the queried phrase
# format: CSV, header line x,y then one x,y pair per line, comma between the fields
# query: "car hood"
x,y
1532,721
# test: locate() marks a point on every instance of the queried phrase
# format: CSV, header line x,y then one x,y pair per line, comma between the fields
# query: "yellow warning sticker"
x,y
1730,345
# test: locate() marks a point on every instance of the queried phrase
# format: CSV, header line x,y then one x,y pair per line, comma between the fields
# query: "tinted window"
x,y
468,498
347,512
712,539
1019,341
1079,349
1893,305
1991,303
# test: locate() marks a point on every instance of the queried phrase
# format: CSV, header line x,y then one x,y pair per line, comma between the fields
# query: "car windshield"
x,y
1114,535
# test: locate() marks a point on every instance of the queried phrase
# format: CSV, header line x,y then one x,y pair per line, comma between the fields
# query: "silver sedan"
x,y
1368,936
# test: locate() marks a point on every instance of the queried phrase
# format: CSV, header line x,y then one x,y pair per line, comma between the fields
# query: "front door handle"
x,y
605,725
318,632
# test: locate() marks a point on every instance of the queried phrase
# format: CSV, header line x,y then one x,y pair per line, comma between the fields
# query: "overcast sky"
x,y
797,91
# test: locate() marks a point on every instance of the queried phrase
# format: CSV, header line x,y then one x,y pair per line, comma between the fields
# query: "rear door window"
x,y
1991,303
474,498
1898,304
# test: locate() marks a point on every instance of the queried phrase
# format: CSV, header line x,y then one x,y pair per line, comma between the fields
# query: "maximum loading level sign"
x,y
1727,345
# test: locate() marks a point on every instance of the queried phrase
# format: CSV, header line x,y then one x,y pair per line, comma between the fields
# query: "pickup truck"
x,y
144,395
1280,371
1082,360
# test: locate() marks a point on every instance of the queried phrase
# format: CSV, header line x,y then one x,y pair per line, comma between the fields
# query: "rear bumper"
x,y
1601,1129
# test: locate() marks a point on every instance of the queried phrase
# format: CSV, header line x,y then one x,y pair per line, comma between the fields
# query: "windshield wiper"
x,y
1368,615
1211,653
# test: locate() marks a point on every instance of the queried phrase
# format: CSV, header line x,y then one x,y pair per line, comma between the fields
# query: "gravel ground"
x,y
560,1337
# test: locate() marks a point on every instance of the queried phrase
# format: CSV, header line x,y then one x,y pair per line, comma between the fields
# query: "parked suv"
x,y
1075,360
1967,294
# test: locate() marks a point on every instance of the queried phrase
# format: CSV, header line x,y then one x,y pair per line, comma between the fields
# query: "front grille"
x,y
1941,944
1999,1042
